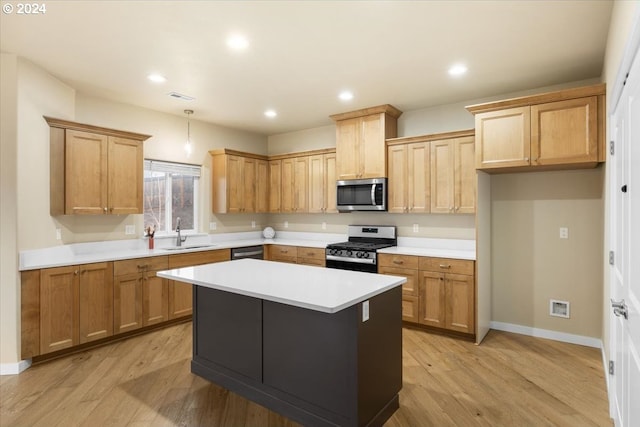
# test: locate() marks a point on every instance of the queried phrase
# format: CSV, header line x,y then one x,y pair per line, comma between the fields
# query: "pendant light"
x,y
187,147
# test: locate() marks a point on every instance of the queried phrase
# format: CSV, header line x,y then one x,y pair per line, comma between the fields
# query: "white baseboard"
x,y
14,368
548,334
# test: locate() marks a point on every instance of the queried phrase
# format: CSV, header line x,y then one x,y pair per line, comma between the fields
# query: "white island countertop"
x,y
315,288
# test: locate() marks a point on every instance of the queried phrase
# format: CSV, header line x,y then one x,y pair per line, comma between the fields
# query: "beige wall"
x,y
9,305
531,264
623,17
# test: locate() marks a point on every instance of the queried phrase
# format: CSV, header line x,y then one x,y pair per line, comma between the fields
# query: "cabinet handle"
x,y
309,253
143,266
445,266
75,272
450,208
457,208
395,261
526,159
111,209
105,209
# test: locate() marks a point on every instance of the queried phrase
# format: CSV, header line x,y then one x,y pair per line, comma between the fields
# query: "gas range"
x,y
359,252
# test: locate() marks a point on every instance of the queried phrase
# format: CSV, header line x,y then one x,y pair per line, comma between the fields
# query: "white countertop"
x,y
86,253
315,288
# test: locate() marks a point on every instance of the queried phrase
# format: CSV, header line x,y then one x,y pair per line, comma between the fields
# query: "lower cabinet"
x,y
76,305
311,256
296,255
63,307
140,297
439,292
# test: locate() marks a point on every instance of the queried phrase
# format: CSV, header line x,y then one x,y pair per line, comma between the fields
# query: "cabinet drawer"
x,y
408,288
136,265
311,261
282,251
448,265
399,261
310,253
199,258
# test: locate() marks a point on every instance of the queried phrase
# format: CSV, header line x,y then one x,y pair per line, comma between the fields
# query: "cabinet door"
x,y
565,132
398,176
275,185
249,194
432,299
331,197
348,149
59,300
503,138
316,184
96,301
262,186
180,299
301,184
418,177
235,184
410,308
465,176
125,176
155,299
442,177
372,147
460,297
85,173
127,301
287,193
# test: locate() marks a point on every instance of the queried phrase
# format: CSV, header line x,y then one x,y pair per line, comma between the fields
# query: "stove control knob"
x,y
361,255
333,251
348,253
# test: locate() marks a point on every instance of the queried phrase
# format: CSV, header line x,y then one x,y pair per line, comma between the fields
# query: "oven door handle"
x,y
354,260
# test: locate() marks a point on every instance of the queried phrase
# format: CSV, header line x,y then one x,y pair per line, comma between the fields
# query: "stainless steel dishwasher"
x,y
253,252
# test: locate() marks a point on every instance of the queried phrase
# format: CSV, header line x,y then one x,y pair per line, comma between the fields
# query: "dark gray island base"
x,y
316,368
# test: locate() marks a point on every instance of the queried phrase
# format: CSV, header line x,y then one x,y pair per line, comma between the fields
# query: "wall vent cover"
x,y
559,308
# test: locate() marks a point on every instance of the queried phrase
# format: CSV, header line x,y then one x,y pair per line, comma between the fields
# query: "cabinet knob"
x,y
105,209
526,159
111,209
457,208
75,272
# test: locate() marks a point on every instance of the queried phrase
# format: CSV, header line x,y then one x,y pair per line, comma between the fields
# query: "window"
x,y
170,191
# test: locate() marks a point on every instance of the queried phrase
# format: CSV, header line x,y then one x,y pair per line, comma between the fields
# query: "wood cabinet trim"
x,y
380,109
226,151
561,95
302,154
430,137
66,124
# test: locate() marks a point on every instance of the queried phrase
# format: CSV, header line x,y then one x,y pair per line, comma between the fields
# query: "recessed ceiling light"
x,y
346,95
237,42
457,70
270,113
157,78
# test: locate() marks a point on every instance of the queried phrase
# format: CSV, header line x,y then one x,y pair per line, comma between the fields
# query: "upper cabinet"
x,y
360,141
557,130
453,177
322,183
409,178
94,170
235,182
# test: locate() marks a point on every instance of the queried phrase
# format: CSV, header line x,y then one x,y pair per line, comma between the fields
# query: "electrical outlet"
x,y
416,228
253,224
564,233
286,224
213,226
324,225
58,234
365,311
129,229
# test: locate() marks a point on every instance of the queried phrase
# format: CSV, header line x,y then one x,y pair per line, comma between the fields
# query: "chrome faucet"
x,y
179,239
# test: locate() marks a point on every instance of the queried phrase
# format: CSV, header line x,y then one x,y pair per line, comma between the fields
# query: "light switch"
x,y
213,226
253,224
416,228
286,224
365,311
129,229
324,225
58,234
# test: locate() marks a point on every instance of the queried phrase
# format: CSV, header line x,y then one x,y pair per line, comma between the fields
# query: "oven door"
x,y
353,266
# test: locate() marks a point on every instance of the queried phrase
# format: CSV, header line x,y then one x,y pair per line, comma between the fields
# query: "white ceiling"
x,y
303,53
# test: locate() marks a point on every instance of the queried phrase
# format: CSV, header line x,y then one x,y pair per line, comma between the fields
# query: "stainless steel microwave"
x,y
362,195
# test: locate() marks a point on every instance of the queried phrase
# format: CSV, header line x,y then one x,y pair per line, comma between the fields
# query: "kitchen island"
x,y
320,346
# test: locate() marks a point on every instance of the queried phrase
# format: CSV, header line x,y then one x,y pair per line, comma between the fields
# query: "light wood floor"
x,y
509,380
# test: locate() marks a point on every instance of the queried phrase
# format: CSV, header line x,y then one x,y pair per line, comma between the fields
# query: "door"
x,y
127,302
330,183
262,186
275,184
442,177
418,189
397,194
249,168
96,301
503,138
432,299
624,211
372,147
235,184
300,184
155,306
459,300
85,173
348,149
58,308
125,164
316,184
465,176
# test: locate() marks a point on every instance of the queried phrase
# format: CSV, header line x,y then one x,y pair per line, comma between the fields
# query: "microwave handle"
x,y
373,194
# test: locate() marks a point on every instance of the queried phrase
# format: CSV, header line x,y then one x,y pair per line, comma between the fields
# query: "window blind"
x,y
173,168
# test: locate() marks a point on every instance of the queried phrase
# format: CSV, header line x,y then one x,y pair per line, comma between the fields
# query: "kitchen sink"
x,y
186,247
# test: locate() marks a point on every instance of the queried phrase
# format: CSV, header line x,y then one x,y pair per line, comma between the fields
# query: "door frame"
x,y
632,49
